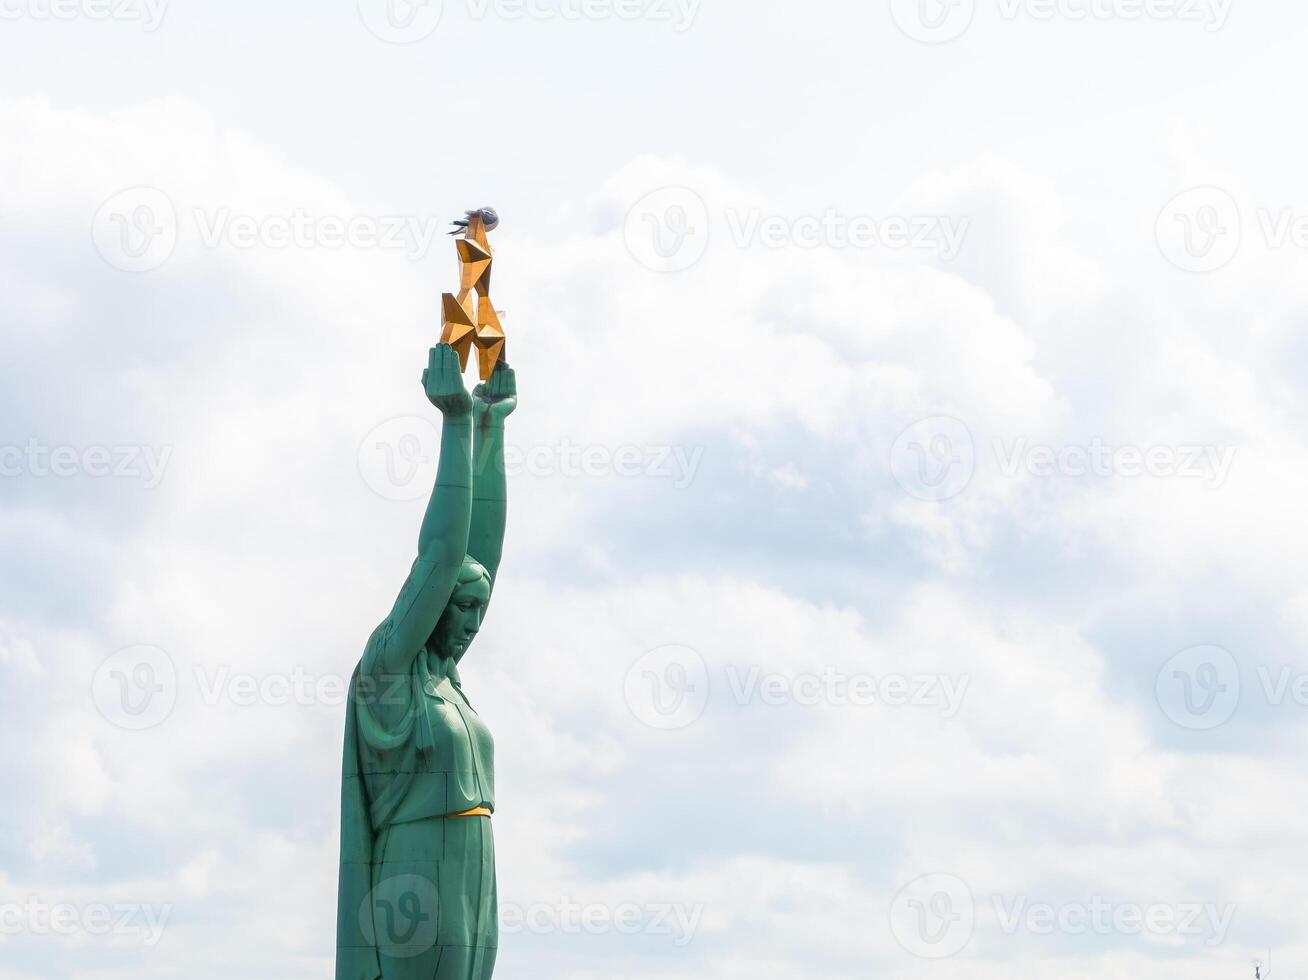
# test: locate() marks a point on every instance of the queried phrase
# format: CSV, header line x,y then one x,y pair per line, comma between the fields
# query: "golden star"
x,y
469,318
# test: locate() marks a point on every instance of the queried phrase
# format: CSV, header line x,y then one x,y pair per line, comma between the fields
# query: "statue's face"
x,y
461,619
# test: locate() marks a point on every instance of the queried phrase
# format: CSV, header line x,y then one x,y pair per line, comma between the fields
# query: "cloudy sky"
x,y
906,572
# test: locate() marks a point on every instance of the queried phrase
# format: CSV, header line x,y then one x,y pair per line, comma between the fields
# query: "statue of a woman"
x,y
417,894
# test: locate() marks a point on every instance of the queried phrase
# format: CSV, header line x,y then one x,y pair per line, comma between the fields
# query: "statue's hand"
x,y
444,382
495,399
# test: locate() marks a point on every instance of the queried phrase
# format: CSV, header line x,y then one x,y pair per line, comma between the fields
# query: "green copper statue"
x,y
417,894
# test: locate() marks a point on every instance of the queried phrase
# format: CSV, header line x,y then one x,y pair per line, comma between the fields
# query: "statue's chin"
x,y
443,651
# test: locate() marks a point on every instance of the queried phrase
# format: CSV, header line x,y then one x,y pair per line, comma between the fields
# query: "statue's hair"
x,y
471,571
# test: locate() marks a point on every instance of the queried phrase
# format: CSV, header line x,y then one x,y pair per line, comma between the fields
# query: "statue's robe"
x,y
415,752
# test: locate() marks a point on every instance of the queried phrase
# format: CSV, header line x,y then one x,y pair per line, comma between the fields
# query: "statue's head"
x,y
461,619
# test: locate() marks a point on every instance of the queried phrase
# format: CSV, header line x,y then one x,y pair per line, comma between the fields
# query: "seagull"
x,y
488,217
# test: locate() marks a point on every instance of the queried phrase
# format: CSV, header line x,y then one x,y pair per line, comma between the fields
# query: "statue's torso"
x,y
458,772
424,751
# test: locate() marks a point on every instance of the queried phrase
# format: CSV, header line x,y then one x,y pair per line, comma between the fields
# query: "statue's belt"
x,y
477,811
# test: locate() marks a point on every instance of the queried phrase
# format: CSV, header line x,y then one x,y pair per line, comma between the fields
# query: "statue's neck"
x,y
441,666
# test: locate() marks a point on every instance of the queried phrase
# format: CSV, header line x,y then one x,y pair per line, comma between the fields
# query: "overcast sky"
x,y
906,574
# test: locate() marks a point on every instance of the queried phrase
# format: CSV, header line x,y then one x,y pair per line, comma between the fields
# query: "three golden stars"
x,y
468,319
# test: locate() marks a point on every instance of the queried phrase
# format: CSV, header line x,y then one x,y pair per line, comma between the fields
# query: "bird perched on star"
x,y
490,220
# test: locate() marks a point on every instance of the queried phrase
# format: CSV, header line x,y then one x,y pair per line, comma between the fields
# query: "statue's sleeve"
x,y
383,733
417,609
356,953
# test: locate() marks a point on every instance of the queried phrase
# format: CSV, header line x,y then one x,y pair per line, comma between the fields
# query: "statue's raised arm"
x,y
492,402
443,539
